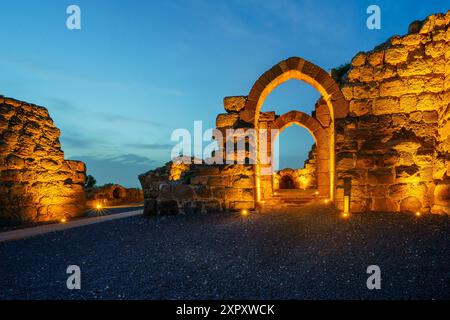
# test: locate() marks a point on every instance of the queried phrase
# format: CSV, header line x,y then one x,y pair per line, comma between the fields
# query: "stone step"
x,y
292,198
290,202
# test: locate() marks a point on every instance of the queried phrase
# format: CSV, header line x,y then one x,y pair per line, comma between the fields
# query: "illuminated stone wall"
x,y
317,169
197,188
36,183
112,195
304,178
393,147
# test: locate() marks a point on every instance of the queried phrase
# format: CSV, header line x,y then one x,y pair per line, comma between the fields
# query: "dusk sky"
x,y
138,69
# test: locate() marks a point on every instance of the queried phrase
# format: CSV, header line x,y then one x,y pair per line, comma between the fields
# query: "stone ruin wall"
x,y
318,124
36,183
304,178
180,188
393,148
113,195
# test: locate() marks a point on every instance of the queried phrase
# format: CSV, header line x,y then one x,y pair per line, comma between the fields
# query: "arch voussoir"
x,y
276,70
297,117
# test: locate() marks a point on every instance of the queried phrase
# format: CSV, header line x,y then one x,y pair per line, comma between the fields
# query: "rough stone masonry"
x,y
394,145
36,183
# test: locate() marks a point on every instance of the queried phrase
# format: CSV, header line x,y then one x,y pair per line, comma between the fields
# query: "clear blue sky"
x,y
139,69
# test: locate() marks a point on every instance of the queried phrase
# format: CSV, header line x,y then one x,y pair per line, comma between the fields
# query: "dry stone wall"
x,y
112,195
392,150
304,178
178,188
36,183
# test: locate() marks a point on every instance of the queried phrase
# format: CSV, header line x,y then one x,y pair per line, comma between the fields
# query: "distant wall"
x,y
113,194
36,183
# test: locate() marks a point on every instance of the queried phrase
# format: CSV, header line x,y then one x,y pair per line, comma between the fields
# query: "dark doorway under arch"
x,y
116,193
287,182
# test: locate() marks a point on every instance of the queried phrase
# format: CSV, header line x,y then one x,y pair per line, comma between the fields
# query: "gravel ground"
x,y
309,254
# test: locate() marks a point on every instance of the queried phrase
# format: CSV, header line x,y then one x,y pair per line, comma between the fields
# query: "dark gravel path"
x,y
313,254
8,225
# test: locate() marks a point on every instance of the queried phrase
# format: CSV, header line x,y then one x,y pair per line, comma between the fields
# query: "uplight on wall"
x,y
346,204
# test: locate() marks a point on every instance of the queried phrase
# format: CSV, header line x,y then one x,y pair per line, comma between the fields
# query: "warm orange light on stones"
x,y
36,183
381,127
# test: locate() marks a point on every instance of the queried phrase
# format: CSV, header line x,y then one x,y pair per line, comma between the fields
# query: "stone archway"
x,y
300,69
321,136
117,193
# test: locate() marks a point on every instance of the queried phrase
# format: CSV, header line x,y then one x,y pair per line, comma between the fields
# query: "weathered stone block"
x,y
183,192
430,116
243,181
360,107
381,176
240,205
202,191
266,116
396,54
384,205
442,193
376,58
386,106
359,60
212,206
411,204
199,180
408,103
364,161
234,104
226,120
428,102
394,88
218,181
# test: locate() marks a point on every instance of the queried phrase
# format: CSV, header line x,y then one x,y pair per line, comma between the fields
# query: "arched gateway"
x,y
321,136
331,106
243,179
